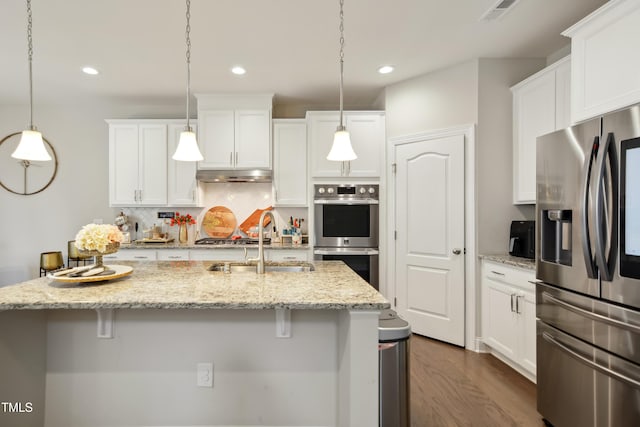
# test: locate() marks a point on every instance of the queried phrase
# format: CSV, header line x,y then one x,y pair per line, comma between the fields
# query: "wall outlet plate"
x,y
166,215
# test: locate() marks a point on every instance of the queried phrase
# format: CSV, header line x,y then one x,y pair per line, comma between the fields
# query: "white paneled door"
x,y
430,212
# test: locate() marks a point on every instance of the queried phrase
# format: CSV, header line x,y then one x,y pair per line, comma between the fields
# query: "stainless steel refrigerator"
x,y
588,273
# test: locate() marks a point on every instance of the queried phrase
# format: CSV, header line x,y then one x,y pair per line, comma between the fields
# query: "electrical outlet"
x,y
204,372
166,215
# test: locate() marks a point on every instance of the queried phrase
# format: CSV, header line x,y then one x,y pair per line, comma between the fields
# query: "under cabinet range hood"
x,y
233,175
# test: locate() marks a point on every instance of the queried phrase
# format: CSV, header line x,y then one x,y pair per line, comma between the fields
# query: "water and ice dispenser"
x,y
555,232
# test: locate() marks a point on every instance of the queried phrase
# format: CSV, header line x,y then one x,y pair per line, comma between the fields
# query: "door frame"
x,y
471,337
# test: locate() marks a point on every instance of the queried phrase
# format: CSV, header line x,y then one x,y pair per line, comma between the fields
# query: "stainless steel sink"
x,y
240,267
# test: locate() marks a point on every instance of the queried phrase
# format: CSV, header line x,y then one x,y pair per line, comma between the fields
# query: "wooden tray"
x,y
219,222
253,219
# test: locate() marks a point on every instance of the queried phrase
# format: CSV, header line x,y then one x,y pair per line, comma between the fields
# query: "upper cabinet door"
x,y
367,131
182,187
152,166
123,164
605,60
252,139
540,106
216,131
290,162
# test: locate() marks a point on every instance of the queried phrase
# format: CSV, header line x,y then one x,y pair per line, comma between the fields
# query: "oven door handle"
x,y
347,202
346,252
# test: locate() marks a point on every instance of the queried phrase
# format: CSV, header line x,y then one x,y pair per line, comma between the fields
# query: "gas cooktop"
x,y
220,242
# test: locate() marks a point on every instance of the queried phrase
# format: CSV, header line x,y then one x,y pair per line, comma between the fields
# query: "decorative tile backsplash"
x,y
241,198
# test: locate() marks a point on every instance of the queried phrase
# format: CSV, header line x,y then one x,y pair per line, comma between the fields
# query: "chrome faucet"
x,y
260,259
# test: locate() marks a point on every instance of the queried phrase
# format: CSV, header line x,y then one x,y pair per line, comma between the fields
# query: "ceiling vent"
x,y
498,10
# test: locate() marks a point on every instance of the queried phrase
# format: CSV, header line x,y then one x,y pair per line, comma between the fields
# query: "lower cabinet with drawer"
x,y
131,255
173,255
509,315
279,255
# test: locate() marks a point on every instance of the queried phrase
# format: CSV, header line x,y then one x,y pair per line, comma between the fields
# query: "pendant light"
x,y
31,146
188,150
341,150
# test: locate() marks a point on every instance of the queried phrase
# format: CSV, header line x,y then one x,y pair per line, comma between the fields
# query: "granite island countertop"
x,y
177,245
529,264
188,285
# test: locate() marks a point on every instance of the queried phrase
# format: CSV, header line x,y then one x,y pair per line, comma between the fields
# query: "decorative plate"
x,y
219,222
118,272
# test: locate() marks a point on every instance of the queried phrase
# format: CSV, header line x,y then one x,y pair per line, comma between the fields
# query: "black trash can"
x,y
393,367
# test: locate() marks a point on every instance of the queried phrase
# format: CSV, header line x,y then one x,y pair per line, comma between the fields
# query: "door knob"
x,y
457,251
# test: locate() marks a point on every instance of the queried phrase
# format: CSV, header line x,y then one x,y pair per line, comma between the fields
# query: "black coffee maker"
x,y
522,239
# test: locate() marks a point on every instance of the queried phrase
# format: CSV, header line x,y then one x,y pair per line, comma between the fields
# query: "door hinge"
x,y
393,167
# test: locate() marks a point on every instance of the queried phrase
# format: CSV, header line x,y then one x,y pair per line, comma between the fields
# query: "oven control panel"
x,y
346,192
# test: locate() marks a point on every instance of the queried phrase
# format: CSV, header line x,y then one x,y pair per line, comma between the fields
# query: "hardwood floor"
x,y
451,386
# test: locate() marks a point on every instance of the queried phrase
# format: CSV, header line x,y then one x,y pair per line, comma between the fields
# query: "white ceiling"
x,y
289,47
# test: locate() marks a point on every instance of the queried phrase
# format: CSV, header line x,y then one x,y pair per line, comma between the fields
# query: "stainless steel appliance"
x,y
346,215
346,227
588,268
522,239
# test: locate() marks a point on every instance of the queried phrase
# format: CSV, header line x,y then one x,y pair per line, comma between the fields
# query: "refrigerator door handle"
x,y
586,240
592,316
607,371
606,211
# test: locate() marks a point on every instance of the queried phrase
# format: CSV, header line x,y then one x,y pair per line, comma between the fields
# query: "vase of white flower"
x,y
97,240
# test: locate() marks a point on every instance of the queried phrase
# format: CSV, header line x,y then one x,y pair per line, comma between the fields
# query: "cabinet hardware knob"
x,y
457,251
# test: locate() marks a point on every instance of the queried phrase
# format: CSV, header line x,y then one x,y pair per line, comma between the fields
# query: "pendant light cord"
x,y
341,59
30,53
188,38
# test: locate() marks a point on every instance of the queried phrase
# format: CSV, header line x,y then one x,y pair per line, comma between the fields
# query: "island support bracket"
x,y
105,322
283,323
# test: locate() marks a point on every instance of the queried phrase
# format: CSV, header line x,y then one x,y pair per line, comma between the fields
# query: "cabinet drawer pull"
x,y
518,304
231,158
497,273
141,257
175,257
512,295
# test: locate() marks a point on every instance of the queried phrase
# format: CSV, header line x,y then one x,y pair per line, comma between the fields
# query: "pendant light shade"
x,y
188,150
31,146
341,150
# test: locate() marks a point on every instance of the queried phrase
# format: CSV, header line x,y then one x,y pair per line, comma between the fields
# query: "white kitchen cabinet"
x,y
290,162
509,315
182,187
172,255
221,254
137,164
540,105
279,255
605,60
131,255
367,131
235,131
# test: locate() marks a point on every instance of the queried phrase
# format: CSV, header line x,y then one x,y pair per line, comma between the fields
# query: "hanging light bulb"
x,y
31,146
341,150
188,150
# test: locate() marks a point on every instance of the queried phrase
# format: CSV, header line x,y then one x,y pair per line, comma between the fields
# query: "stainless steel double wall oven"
x,y
346,227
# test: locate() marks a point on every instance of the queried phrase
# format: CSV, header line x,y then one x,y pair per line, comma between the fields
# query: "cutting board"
x,y
219,222
253,219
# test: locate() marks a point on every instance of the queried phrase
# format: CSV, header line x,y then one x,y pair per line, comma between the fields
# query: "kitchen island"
x,y
295,349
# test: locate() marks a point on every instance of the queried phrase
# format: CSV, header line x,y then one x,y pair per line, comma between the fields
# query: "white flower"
x,y
96,237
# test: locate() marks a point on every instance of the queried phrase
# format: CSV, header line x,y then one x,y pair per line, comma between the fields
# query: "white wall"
x,y
494,152
146,375
438,100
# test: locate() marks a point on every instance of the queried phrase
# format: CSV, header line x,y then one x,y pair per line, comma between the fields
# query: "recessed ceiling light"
x,y
238,70
385,69
90,70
